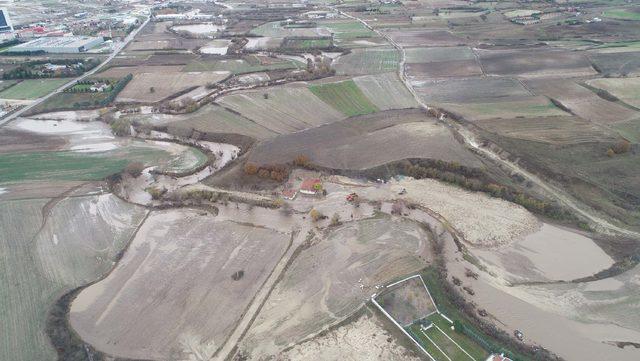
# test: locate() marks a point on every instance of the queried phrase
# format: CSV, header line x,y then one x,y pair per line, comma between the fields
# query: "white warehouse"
x,y
60,44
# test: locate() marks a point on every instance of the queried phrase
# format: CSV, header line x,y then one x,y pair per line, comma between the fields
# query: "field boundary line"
x,y
460,347
373,299
436,345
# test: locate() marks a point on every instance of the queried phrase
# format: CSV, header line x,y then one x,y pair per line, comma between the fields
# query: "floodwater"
x,y
551,253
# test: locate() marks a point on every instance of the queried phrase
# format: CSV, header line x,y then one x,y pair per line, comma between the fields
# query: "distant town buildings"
x,y
62,44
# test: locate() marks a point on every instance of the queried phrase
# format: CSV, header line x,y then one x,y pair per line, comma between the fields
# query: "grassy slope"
x,y
344,96
32,88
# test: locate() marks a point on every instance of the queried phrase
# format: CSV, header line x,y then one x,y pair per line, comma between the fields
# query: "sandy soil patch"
x,y
362,340
482,220
173,294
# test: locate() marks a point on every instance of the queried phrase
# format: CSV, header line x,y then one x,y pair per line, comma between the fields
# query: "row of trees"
x,y
277,172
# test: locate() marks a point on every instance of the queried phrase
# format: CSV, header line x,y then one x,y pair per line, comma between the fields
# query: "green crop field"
x,y
306,43
348,29
344,96
622,14
67,165
32,88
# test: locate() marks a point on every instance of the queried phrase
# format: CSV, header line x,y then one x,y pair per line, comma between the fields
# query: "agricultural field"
x,y
623,14
346,145
531,107
624,62
582,101
248,64
625,89
306,43
386,91
277,30
535,63
75,244
439,54
345,96
32,88
367,61
133,312
471,90
156,86
213,119
419,37
282,110
309,298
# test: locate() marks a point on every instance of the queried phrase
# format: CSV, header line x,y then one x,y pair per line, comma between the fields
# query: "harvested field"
x,y
471,90
368,61
165,84
32,88
16,141
533,107
156,36
364,339
456,68
420,37
178,268
344,96
117,72
582,101
553,130
438,54
78,241
348,144
248,64
532,63
284,110
623,63
354,257
386,91
276,30
263,43
407,302
214,119
625,89
550,254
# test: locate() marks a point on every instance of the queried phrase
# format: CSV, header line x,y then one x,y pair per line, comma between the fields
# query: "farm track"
x,y
470,140
48,207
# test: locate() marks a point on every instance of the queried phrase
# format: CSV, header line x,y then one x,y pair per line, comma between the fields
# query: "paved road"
x,y
115,52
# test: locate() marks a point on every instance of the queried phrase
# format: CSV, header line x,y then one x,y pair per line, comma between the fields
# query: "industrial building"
x,y
61,44
6,29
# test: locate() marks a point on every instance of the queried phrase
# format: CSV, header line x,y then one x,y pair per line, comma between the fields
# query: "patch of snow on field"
x,y
3,190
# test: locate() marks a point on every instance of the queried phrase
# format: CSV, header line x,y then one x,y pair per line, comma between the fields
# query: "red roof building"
x,y
311,186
